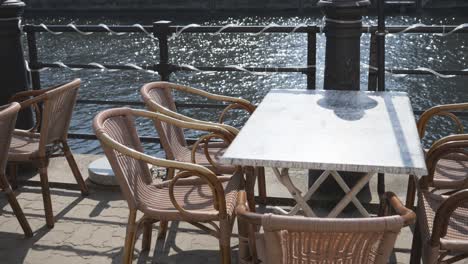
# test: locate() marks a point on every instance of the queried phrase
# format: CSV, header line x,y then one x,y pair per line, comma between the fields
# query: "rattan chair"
x,y
48,138
7,123
195,194
158,97
305,240
449,172
441,232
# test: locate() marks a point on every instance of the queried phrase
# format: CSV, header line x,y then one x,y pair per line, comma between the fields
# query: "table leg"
x,y
311,190
284,178
350,195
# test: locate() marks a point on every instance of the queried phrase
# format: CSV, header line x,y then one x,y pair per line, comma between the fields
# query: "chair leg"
x,y
261,185
46,197
250,175
225,241
411,192
416,245
16,207
12,173
76,172
381,184
147,233
162,229
130,238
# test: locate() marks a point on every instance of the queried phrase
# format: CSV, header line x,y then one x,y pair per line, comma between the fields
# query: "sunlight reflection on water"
x,y
402,51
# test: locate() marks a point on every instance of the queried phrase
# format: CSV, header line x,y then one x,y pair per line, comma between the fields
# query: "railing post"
x,y
311,59
381,70
343,32
381,44
343,29
33,60
372,79
161,31
13,74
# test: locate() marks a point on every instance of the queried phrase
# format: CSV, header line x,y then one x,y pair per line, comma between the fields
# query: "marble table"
x,y
370,132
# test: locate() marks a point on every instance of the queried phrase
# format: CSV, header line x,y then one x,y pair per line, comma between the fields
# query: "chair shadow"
x,y
166,251
23,245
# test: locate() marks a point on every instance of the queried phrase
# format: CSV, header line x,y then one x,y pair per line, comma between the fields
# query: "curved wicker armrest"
x,y
234,102
183,166
241,103
208,127
243,212
443,214
176,115
187,170
441,110
391,200
219,201
450,138
25,100
441,150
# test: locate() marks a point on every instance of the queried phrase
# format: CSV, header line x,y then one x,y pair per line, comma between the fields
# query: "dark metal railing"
x,y
162,31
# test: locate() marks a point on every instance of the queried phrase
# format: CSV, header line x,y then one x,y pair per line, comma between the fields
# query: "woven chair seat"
x,y
457,232
24,146
191,194
451,172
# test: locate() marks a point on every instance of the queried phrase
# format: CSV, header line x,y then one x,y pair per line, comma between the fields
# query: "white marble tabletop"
x,y
331,130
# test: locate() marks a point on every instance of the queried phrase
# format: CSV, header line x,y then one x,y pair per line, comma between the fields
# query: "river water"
x,y
403,51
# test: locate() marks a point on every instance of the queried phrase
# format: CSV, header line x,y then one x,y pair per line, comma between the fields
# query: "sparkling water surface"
x,y
272,50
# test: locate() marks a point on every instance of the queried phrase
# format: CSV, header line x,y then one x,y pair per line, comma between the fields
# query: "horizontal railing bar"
x,y
252,69
136,103
419,29
424,72
173,29
240,29
172,67
143,139
41,65
108,102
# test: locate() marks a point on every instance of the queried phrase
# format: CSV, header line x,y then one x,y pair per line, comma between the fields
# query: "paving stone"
x,y
92,229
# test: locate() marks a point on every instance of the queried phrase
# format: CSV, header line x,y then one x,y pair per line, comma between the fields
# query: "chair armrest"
x,y
219,200
443,214
233,102
435,145
441,110
441,150
23,98
242,103
186,170
248,224
201,126
391,200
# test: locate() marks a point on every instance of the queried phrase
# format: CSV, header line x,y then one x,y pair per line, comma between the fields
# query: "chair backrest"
x,y
328,240
8,114
156,96
57,110
133,175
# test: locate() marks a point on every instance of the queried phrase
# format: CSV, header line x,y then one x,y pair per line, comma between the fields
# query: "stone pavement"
x,y
92,229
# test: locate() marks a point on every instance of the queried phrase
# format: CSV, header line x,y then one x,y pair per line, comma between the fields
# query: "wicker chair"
x,y
158,97
54,108
450,172
7,123
441,234
195,194
295,239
